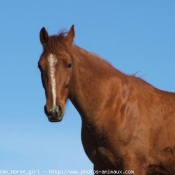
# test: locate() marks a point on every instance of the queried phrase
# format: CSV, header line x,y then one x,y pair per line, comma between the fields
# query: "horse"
x,y
127,123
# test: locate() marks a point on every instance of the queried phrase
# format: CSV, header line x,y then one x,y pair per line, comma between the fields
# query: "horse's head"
x,y
55,65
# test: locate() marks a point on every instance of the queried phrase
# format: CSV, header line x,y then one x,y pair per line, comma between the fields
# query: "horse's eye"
x,y
69,65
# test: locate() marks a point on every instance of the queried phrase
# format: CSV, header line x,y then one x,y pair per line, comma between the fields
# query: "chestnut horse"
x,y
127,124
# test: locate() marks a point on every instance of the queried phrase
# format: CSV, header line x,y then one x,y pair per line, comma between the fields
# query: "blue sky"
x,y
134,36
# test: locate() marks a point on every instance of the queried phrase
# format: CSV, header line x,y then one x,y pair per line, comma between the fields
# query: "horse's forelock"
x,y
55,42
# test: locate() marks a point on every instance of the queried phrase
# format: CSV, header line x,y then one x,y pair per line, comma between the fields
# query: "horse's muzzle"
x,y
55,114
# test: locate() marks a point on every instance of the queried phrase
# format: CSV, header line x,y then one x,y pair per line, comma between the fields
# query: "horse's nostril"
x,y
60,109
57,110
48,112
45,110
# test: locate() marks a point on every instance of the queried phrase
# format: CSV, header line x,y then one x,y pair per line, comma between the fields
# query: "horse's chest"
x,y
107,156
98,149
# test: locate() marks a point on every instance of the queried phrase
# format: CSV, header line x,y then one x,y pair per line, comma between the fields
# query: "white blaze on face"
x,y
52,61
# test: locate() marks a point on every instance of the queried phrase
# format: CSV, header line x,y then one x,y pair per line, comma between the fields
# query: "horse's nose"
x,y
54,114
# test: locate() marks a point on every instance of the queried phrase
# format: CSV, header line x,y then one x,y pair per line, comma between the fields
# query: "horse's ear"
x,y
70,36
43,36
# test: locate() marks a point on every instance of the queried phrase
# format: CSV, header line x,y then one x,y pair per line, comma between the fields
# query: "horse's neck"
x,y
92,85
